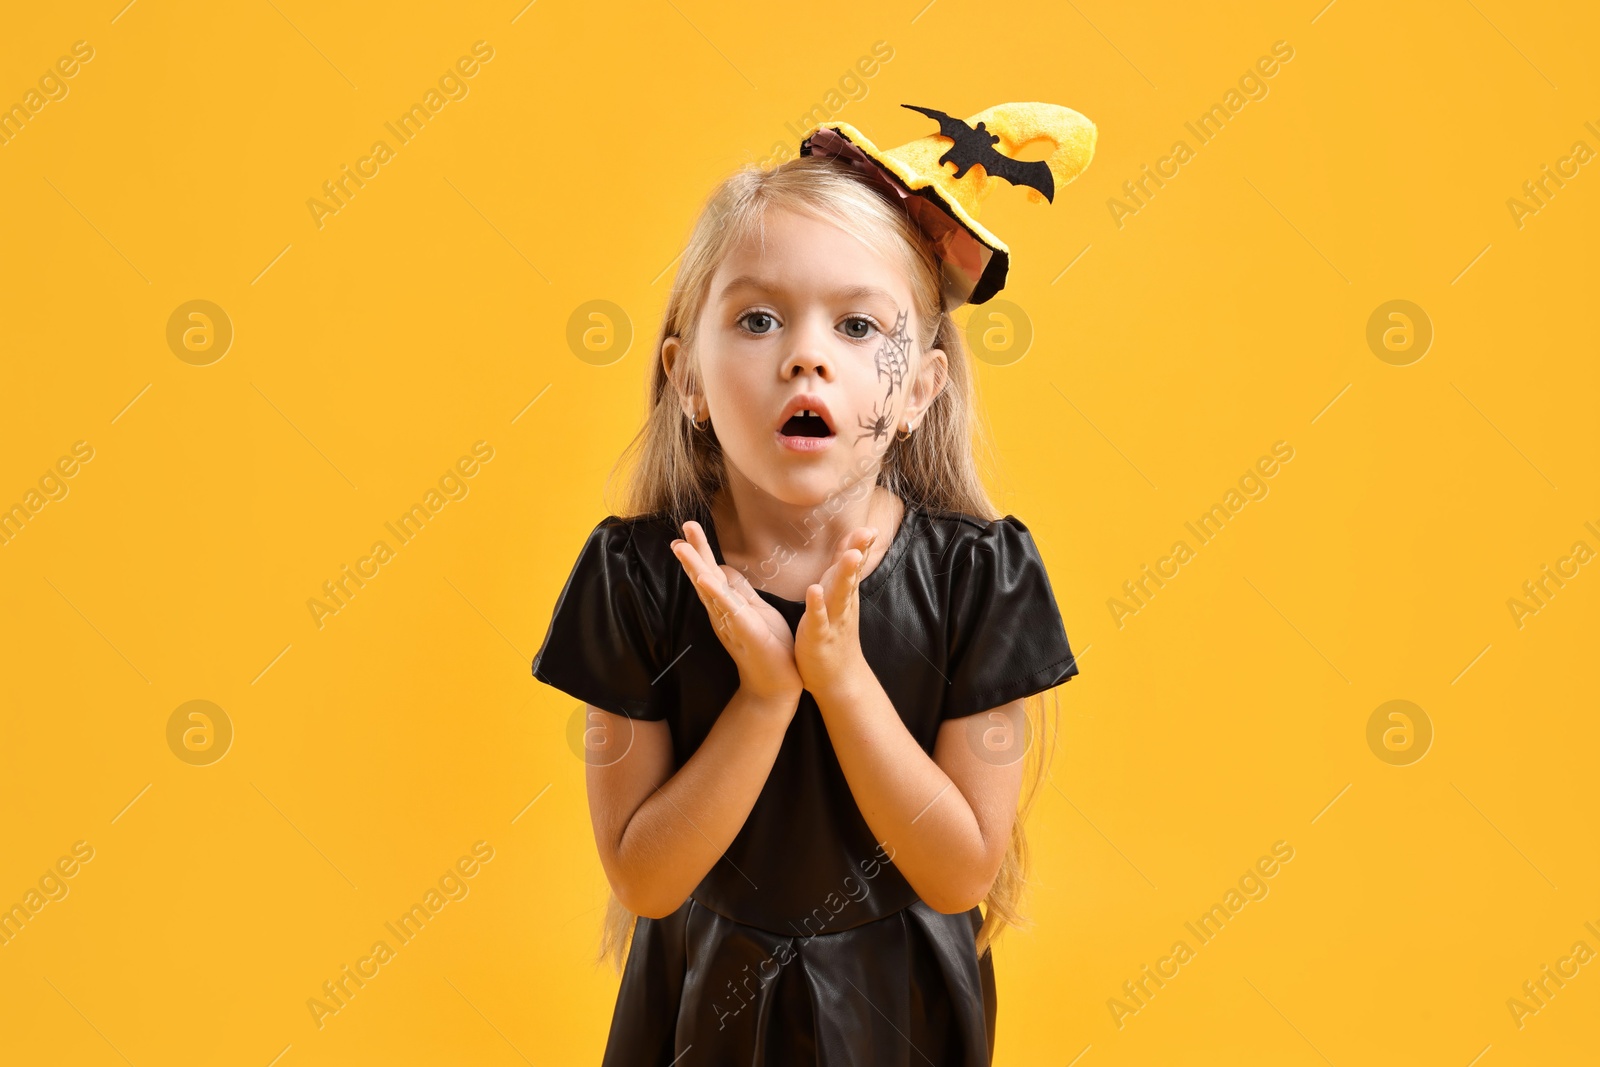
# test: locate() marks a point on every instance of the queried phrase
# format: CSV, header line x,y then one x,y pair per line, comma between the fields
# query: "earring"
x,y
697,424
904,433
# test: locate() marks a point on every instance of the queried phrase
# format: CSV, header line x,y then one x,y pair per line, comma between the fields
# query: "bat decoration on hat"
x,y
974,261
975,146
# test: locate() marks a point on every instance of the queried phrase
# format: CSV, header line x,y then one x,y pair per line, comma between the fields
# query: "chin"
x,y
805,489
848,482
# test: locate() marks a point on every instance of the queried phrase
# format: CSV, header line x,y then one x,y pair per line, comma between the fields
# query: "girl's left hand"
x,y
827,643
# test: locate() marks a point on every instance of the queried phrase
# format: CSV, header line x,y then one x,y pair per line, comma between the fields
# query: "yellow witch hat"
x,y
945,203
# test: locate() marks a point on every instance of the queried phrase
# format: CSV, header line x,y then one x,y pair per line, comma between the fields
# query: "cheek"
x,y
742,398
868,427
876,394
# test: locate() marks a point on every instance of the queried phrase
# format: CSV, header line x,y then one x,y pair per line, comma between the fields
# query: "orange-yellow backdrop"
x,y
1440,460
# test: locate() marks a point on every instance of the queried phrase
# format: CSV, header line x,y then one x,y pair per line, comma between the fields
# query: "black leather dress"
x,y
804,944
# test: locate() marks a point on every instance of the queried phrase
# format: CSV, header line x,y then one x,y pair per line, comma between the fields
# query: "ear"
x,y
674,360
933,375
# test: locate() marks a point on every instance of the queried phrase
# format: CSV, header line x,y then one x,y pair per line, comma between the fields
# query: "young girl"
x,y
813,654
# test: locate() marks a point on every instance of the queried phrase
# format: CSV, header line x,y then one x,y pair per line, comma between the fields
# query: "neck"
x,y
763,531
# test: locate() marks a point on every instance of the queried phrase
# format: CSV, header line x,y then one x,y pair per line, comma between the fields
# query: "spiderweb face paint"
x,y
893,359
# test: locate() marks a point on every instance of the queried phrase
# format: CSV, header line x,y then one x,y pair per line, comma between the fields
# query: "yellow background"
x,y
1228,313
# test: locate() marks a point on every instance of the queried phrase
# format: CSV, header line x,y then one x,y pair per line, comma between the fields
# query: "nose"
x,y
808,352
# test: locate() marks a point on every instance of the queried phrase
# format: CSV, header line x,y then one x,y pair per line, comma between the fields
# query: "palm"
x,y
754,633
827,639
768,616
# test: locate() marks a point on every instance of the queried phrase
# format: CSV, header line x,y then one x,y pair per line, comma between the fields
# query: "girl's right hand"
x,y
755,635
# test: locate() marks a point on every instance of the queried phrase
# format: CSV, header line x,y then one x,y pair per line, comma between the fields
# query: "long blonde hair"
x,y
676,470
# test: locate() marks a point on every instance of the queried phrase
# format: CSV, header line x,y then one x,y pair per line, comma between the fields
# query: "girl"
x,y
813,654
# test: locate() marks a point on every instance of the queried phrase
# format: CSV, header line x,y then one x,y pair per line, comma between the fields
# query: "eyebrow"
x,y
845,292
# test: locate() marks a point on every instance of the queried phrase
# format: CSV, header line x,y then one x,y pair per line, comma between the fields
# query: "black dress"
x,y
804,944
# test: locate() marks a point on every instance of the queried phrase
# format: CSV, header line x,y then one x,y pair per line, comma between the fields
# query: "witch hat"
x,y
944,202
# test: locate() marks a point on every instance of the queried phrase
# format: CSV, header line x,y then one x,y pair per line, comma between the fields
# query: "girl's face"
x,y
815,322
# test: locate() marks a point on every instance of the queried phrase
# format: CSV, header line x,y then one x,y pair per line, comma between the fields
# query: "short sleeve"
x,y
606,634
1004,630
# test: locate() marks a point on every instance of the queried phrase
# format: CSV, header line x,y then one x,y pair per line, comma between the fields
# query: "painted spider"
x,y
879,426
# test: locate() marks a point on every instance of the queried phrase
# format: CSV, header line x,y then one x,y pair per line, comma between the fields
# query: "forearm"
x,y
687,823
908,801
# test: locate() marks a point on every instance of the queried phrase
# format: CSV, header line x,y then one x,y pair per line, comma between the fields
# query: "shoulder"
x,y
607,641
1003,629
960,539
633,551
635,533
974,561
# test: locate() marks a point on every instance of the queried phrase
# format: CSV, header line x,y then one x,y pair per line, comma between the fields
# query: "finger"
x,y
698,551
816,604
721,618
722,602
707,581
739,591
836,577
864,542
696,536
677,548
739,583
714,589
841,586
861,538
690,560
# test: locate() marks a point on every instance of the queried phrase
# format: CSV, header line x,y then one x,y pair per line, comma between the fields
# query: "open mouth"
x,y
806,424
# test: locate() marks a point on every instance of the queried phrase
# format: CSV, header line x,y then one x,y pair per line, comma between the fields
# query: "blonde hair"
x,y
676,469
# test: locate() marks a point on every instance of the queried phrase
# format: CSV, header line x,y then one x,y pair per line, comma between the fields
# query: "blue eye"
x,y
747,316
860,320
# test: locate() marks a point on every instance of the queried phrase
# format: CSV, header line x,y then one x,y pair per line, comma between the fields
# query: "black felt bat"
x,y
976,146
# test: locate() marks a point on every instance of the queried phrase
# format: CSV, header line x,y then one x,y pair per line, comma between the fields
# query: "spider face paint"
x,y
878,428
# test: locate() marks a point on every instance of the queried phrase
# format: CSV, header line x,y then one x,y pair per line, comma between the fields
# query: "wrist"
x,y
844,685
778,702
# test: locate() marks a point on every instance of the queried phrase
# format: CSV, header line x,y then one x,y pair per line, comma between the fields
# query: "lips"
x,y
805,425
806,416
